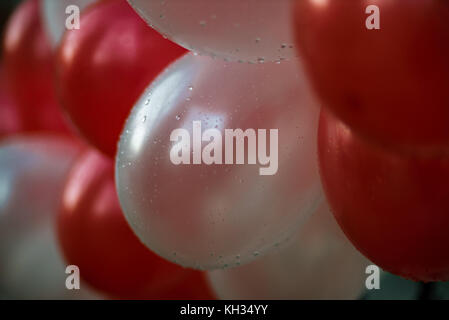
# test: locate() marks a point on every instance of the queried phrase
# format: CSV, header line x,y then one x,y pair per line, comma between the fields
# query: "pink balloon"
x,y
219,215
319,263
32,174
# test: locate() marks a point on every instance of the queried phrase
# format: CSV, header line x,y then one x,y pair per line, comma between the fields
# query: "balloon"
x,y
102,71
32,174
9,117
219,215
28,64
55,16
319,263
389,85
94,235
245,30
393,207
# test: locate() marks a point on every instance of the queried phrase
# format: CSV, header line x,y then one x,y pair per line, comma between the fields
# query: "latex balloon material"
x,y
56,14
389,85
392,207
94,236
102,70
9,117
245,30
215,215
28,62
32,173
318,263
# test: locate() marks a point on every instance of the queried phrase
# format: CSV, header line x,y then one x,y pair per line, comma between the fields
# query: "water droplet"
x,y
203,23
190,88
144,119
178,117
260,60
257,40
147,102
256,253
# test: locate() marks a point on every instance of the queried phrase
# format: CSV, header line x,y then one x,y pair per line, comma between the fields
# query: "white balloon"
x,y
32,175
246,30
319,263
54,16
214,216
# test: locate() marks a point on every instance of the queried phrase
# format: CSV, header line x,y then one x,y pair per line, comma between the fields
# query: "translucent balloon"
x,y
32,174
55,16
246,30
319,263
219,215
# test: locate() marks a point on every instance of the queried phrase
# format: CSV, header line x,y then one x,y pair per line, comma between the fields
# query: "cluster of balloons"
x,y
384,135
87,176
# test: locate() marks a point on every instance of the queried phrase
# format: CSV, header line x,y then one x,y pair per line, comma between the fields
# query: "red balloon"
x,y
9,117
393,207
29,69
105,66
390,85
95,236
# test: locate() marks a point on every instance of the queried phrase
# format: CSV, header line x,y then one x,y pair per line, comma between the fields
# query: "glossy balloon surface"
x,y
32,174
9,116
94,236
245,30
105,66
388,84
219,216
393,207
28,61
318,263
